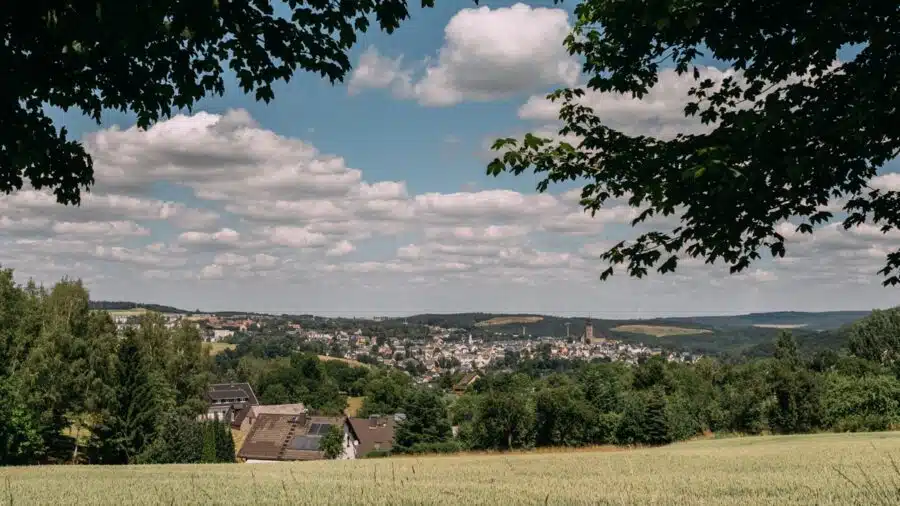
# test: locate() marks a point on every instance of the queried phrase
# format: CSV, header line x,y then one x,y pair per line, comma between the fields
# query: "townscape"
x,y
422,354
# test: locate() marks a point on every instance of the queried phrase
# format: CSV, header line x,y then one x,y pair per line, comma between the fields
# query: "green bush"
x,y
377,454
444,447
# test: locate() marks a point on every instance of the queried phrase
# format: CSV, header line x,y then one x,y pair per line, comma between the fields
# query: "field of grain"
x,y
660,330
347,361
216,348
831,469
127,312
353,405
509,320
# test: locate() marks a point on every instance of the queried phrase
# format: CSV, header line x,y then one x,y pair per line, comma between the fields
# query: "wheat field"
x,y
836,469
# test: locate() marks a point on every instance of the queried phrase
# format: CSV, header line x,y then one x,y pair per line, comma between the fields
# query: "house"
x,y
285,437
468,380
228,402
372,434
251,413
220,412
231,393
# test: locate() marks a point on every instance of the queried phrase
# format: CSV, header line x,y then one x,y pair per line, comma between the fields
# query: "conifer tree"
x,y
656,425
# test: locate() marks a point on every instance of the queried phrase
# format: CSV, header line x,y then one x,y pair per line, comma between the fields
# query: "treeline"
x,y
657,402
112,305
73,390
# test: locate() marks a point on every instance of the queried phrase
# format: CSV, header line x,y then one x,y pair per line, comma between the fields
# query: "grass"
x,y
660,330
830,469
216,348
509,320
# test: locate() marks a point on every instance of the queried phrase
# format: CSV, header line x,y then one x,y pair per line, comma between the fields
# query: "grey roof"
x,y
219,391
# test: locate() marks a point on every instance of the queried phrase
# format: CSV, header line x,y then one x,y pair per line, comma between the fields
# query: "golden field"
x,y
509,320
830,469
660,330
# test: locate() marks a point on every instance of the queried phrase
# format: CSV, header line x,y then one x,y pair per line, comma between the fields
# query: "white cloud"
x,y
257,230
340,249
487,54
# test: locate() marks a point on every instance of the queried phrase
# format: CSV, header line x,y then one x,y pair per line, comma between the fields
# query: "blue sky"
x,y
370,196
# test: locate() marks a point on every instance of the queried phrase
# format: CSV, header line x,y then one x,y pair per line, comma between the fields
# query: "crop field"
x,y
830,469
660,330
780,325
347,361
216,348
127,312
509,320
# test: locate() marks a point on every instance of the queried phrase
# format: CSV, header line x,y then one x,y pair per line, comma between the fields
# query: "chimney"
x,y
300,419
373,421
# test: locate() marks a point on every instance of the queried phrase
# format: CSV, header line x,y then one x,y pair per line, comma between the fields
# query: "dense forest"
x,y
72,389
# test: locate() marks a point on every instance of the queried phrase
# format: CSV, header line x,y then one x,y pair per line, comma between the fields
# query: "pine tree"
x,y
131,423
655,422
209,442
224,443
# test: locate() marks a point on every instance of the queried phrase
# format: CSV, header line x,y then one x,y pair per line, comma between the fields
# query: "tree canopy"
x,y
154,58
791,134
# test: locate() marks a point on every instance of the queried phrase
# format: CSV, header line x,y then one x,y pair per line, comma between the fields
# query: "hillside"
x,y
108,305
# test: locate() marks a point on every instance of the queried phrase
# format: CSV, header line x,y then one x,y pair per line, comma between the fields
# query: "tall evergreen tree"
x,y
131,422
224,443
656,425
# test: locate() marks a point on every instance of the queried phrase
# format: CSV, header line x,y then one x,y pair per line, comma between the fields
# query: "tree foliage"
x,y
72,388
154,59
789,133
332,443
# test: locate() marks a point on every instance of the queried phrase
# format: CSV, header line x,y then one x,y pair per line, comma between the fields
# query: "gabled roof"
x,y
286,437
220,391
373,433
466,380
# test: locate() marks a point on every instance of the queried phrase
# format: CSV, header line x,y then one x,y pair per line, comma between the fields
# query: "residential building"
x,y
284,437
373,434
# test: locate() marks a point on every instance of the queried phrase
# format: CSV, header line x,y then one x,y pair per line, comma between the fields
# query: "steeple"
x,y
588,337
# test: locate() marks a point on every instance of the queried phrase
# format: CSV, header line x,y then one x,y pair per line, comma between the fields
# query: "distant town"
x,y
425,354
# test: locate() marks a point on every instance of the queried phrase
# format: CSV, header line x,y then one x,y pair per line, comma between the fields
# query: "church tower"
x,y
588,332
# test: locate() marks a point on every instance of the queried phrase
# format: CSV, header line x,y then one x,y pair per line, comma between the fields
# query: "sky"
x,y
370,197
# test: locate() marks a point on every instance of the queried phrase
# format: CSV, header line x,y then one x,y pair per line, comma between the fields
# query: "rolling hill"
x,y
710,335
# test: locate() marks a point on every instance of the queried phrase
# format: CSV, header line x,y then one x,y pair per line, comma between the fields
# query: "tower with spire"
x,y
588,336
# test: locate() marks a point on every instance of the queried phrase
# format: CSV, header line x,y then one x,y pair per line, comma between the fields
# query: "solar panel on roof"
x,y
314,429
323,429
306,443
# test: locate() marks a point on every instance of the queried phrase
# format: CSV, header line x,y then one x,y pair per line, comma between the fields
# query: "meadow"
x,y
660,330
829,469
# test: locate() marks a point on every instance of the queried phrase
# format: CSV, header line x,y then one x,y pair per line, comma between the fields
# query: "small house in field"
x,y
284,438
467,381
372,434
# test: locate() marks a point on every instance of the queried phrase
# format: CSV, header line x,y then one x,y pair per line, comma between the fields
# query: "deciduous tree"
x,y
154,58
791,134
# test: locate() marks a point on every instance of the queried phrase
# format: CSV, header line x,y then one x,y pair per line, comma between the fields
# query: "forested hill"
x,y
116,305
751,333
547,324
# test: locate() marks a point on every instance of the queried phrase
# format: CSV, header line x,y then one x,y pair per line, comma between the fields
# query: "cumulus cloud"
x,y
375,243
487,54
